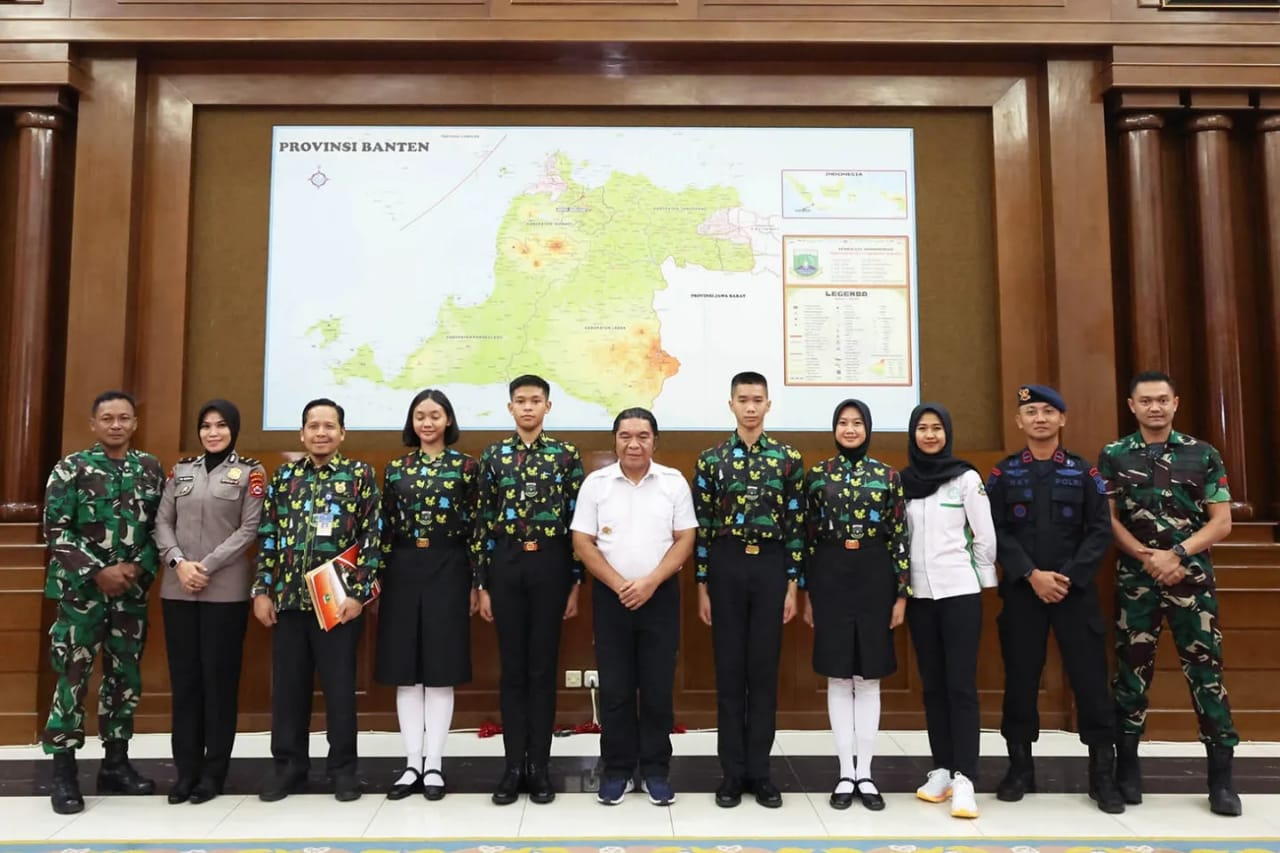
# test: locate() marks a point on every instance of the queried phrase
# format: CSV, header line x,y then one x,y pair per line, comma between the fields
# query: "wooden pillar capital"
x,y
40,119
1140,121
1210,121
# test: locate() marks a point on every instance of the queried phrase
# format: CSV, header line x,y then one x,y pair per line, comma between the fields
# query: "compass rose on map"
x,y
318,178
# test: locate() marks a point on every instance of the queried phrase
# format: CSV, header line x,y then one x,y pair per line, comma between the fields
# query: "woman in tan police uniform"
x,y
208,518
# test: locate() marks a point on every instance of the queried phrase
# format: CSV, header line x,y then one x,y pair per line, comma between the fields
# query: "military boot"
x,y
65,796
1020,779
117,776
1223,798
1102,779
1128,770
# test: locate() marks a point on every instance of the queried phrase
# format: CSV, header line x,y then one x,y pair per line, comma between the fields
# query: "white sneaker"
x,y
963,801
937,788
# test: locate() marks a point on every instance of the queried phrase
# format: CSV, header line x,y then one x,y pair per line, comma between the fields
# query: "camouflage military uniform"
x,y
1161,496
98,512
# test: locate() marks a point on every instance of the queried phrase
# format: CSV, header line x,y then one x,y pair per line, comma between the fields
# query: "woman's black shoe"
x,y
431,790
843,801
399,791
181,790
871,799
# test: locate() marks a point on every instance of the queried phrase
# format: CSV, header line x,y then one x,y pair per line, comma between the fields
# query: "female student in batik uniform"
x,y
856,582
424,634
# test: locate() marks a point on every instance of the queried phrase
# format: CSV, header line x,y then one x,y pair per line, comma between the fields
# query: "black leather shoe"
x,y
400,790
204,791
540,789
346,787
281,784
181,790
870,798
117,776
843,801
508,790
430,789
729,794
65,796
1020,779
767,794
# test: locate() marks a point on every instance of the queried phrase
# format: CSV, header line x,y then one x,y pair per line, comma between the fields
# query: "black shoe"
x,y
871,799
204,791
181,790
729,794
65,796
508,790
400,790
540,789
843,801
430,789
117,776
281,784
767,793
1223,798
346,787
1020,779
1128,769
1102,779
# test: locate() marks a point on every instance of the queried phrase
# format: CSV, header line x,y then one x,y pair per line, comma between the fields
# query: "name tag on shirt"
x,y
324,523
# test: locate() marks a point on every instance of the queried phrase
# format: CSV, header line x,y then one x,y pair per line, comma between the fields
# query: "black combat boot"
x,y
1020,779
1128,770
65,795
1223,798
1102,778
117,776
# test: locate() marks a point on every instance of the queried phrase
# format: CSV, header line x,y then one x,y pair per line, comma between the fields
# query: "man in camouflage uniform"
x,y
100,508
1169,504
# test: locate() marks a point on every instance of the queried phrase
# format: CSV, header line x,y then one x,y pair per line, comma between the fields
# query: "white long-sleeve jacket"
x,y
953,540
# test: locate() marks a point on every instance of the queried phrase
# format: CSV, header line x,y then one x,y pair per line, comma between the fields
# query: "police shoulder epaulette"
x,y
187,460
250,461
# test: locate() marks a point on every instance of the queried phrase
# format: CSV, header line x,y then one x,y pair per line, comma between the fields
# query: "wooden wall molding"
x,y
40,66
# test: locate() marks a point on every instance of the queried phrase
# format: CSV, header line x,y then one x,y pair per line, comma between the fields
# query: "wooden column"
x,y
1211,164
1144,204
1269,137
23,431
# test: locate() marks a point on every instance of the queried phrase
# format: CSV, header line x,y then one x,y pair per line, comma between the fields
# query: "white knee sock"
x,y
840,709
410,709
438,718
866,721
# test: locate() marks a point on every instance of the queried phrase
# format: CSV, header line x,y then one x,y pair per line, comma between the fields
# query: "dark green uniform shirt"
x,y
527,493
754,494
1161,494
99,512
311,515
430,499
859,502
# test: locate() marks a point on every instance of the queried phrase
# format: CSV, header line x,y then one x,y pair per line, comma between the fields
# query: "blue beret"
x,y
1041,394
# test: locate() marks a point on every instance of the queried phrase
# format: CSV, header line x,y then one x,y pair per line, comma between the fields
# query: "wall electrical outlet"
x,y
573,677
590,678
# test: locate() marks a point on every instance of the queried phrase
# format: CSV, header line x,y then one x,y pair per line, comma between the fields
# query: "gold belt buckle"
x,y
423,543
753,549
852,544
529,546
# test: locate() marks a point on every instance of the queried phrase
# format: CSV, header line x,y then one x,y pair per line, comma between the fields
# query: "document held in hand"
x,y
327,589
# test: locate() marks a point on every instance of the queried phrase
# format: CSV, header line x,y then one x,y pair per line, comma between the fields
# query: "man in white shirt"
x,y
633,529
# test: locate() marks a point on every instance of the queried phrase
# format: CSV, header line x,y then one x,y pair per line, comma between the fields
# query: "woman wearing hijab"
x,y
953,551
856,585
429,502
207,520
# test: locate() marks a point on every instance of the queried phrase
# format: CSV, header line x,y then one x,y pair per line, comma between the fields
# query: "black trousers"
x,y
747,592
636,652
299,651
528,591
205,643
1081,634
945,633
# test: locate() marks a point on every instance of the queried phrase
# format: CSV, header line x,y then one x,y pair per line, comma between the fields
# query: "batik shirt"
x,y
430,499
859,502
1161,496
754,494
527,493
310,515
98,512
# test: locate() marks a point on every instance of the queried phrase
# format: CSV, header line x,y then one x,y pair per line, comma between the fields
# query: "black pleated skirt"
x,y
424,618
853,593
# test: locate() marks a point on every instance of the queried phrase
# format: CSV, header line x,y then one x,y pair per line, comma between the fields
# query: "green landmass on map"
x,y
329,329
361,365
574,281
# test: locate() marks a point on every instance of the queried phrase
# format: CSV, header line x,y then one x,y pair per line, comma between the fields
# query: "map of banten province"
x,y
575,275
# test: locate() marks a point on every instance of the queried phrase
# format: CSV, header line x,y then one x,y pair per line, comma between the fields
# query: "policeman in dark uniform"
x,y
1053,527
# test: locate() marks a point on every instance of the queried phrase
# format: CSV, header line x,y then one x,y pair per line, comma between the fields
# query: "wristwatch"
x,y
1179,552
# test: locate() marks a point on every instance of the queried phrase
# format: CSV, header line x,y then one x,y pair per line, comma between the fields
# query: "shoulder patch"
x,y
257,483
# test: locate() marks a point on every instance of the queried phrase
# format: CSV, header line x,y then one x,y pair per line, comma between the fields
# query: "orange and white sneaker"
x,y
937,787
963,801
